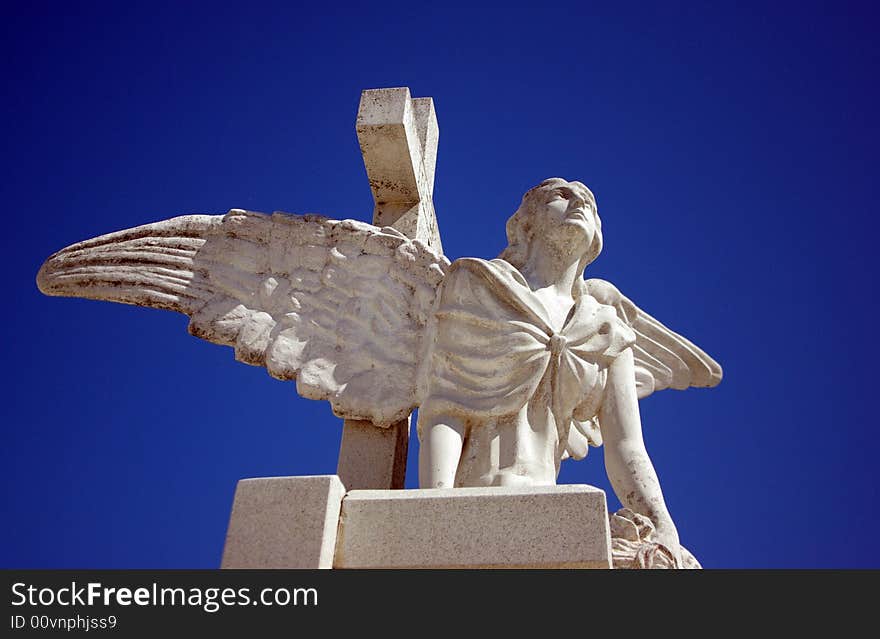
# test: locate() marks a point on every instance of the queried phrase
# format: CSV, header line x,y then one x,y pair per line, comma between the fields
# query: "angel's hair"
x,y
521,227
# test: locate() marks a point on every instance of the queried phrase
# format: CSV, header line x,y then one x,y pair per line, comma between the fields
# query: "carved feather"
x,y
339,306
663,358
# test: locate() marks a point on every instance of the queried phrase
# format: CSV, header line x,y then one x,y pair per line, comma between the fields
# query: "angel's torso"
x,y
515,371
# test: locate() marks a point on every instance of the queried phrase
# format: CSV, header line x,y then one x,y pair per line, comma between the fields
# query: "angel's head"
x,y
561,211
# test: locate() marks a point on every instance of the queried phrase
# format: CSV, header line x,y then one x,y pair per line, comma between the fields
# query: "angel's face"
x,y
567,210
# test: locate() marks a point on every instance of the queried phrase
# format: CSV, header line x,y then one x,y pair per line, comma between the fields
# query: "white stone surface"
x,y
341,307
398,138
515,363
371,457
528,362
634,546
523,527
284,522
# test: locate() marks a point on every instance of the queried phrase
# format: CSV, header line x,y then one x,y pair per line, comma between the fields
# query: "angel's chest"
x,y
558,310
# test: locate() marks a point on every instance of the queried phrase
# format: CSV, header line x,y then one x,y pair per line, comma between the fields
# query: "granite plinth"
x,y
284,522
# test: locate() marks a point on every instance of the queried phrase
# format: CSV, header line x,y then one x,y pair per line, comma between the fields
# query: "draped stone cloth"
x,y
496,356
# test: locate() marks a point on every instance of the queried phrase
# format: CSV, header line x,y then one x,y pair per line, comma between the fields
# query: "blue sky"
x,y
732,151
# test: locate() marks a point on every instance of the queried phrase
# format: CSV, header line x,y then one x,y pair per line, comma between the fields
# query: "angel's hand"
x,y
666,535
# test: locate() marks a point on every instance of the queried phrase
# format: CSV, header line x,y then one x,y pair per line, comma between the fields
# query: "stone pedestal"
x,y
284,522
372,458
311,522
535,527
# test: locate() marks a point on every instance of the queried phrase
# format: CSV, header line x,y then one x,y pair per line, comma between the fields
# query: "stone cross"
x,y
398,138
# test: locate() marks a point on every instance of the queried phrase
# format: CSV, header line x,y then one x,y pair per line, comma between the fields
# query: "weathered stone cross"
x,y
398,137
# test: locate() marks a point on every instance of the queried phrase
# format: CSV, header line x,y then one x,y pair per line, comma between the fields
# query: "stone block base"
x,y
288,522
284,522
535,527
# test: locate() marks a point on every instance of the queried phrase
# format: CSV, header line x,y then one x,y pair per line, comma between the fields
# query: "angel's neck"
x,y
551,271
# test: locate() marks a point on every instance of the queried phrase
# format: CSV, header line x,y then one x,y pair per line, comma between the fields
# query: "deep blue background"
x,y
732,150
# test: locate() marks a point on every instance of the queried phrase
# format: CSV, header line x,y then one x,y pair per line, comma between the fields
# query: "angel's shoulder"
x,y
607,294
603,291
468,266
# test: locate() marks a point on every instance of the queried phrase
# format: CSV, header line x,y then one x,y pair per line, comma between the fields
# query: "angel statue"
x,y
515,363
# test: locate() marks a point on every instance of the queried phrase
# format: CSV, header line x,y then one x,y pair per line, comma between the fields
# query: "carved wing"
x,y
340,306
663,358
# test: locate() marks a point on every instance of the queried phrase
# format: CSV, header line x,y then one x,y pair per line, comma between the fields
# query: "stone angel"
x,y
515,363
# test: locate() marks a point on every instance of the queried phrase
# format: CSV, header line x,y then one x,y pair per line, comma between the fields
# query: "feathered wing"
x,y
339,306
663,358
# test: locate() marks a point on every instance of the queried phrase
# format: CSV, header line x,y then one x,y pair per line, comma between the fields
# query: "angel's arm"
x,y
626,461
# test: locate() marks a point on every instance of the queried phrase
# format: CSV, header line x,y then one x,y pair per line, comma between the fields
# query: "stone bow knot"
x,y
556,344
